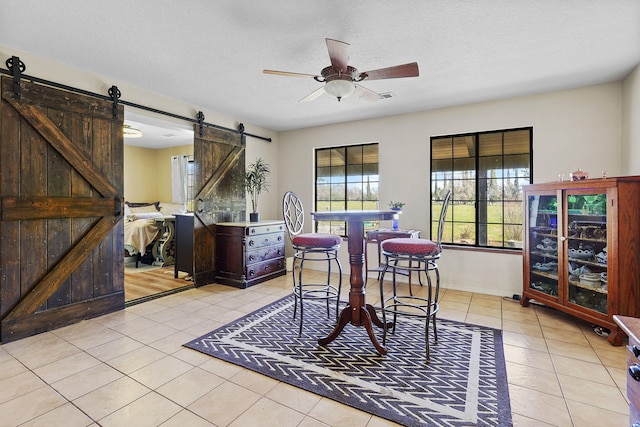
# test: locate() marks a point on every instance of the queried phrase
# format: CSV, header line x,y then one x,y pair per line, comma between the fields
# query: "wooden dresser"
x,y
248,253
631,327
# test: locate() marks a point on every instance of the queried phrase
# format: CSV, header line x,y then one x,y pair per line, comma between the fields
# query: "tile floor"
x,y
129,368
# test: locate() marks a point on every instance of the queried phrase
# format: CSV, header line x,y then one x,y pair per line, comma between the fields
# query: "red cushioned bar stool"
x,y
311,247
419,255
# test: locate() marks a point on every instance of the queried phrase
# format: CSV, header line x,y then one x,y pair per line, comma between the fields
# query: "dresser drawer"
x,y
265,229
264,268
264,254
633,381
264,240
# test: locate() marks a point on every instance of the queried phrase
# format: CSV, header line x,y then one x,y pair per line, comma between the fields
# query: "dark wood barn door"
x,y
61,186
219,158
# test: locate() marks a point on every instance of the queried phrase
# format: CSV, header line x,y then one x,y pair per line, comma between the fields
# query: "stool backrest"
x,y
293,213
443,214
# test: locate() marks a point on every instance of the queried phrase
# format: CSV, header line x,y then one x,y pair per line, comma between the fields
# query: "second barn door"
x,y
219,157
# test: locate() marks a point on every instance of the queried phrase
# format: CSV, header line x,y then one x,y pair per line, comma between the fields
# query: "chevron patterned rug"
x,y
464,385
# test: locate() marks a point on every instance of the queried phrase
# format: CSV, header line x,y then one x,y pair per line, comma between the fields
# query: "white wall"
x,y
631,123
572,129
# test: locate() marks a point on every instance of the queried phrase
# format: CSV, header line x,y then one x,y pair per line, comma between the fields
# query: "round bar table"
x,y
357,312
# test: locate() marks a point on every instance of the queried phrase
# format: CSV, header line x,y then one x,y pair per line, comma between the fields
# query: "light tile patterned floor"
x,y
129,368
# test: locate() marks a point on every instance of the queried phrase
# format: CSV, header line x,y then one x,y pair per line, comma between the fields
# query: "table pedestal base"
x,y
368,318
357,312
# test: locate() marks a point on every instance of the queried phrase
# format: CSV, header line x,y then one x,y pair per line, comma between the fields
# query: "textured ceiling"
x,y
211,53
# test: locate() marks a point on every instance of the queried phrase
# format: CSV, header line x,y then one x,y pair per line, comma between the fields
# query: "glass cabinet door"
x,y
586,261
543,243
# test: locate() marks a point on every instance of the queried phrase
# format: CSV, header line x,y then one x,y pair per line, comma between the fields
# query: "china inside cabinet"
x,y
581,249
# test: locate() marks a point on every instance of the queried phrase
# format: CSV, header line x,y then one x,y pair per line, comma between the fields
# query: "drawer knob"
x,y
251,243
634,371
252,257
634,349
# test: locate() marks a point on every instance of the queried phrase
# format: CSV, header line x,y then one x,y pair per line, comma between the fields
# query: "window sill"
x,y
517,251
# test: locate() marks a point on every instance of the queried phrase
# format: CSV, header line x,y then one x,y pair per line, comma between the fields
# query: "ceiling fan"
x,y
341,79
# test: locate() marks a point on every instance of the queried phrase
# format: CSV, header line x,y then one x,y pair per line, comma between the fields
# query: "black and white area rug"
x,y
464,385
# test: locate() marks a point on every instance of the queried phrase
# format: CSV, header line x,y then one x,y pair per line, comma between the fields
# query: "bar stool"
x,y
378,236
310,247
415,255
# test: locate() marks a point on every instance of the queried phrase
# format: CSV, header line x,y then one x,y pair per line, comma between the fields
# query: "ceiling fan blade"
x,y
405,70
366,94
338,53
288,74
313,95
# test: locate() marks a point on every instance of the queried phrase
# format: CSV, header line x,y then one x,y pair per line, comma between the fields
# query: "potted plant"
x,y
255,182
396,206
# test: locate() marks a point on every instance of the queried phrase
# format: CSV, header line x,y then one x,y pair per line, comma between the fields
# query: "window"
x,y
346,179
486,171
191,183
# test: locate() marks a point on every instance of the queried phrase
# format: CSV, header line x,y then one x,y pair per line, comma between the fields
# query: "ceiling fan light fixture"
x,y
131,132
340,79
340,88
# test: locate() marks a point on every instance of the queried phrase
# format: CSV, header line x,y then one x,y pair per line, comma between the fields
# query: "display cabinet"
x,y
582,249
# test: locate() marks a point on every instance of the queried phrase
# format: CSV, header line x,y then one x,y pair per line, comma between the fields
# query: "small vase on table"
x,y
395,222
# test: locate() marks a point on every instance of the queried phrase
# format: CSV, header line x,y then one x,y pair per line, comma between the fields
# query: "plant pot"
x,y
395,223
254,217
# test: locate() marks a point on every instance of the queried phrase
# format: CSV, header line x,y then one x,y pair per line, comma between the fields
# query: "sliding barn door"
x,y
220,196
61,186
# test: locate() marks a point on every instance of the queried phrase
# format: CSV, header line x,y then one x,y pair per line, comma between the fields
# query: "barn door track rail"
x,y
16,68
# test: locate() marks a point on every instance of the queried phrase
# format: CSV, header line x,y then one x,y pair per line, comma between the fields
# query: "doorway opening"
x,y
155,150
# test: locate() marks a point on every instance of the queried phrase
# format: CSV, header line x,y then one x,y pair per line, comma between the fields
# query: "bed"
x,y
149,231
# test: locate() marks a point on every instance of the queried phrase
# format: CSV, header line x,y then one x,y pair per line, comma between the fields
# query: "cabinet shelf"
x,y
587,262
587,287
548,275
545,254
588,239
